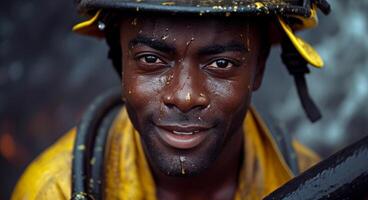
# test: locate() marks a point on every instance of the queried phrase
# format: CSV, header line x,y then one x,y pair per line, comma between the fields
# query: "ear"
x,y
261,65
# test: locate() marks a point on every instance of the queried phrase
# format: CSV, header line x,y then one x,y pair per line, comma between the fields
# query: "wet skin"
x,y
188,84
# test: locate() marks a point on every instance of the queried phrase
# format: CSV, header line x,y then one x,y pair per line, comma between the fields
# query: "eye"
x,y
150,59
221,63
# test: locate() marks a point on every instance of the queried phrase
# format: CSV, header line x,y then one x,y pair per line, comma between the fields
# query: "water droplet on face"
x,y
170,77
246,39
188,97
182,160
190,41
164,37
134,22
129,92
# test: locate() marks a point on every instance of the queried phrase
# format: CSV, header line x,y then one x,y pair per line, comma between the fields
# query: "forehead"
x,y
204,27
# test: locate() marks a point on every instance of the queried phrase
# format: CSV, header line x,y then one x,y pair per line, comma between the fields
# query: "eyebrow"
x,y
153,43
217,49
168,48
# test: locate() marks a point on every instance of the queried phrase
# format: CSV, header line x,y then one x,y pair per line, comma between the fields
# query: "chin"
x,y
179,162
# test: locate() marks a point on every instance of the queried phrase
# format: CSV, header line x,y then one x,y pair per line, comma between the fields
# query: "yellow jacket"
x,y
127,175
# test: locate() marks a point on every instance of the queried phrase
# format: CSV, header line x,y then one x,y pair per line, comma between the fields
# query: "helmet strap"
x,y
298,68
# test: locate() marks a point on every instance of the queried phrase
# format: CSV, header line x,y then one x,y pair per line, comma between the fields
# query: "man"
x,y
187,130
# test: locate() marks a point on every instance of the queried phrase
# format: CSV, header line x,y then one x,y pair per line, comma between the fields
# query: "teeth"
x,y
182,133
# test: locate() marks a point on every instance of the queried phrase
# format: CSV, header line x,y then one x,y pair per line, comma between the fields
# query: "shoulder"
x,y
306,157
49,175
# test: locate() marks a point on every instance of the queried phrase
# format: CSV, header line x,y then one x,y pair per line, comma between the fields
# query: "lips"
x,y
182,137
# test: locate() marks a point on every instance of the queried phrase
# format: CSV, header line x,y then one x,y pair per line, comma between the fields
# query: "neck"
x,y
218,182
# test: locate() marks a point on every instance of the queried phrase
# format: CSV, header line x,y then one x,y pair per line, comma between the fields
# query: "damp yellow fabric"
x,y
127,175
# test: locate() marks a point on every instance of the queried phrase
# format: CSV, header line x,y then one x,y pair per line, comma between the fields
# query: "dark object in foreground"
x,y
344,175
89,146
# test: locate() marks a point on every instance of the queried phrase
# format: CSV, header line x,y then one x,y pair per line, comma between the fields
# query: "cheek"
x,y
142,91
231,96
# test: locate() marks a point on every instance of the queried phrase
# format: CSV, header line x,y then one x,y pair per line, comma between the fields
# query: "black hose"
x,y
87,153
344,175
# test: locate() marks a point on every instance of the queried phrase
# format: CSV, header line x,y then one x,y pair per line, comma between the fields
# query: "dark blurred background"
x,y
48,75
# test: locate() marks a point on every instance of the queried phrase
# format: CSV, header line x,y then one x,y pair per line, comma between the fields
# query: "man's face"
x,y
187,84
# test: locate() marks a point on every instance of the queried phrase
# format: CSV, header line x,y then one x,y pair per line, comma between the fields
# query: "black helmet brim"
x,y
209,7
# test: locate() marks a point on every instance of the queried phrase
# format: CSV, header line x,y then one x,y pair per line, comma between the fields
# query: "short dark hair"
x,y
112,35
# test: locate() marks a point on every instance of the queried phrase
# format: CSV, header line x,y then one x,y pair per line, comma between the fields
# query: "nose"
x,y
186,91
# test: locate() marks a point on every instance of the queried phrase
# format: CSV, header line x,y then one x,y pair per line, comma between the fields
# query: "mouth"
x,y
182,136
